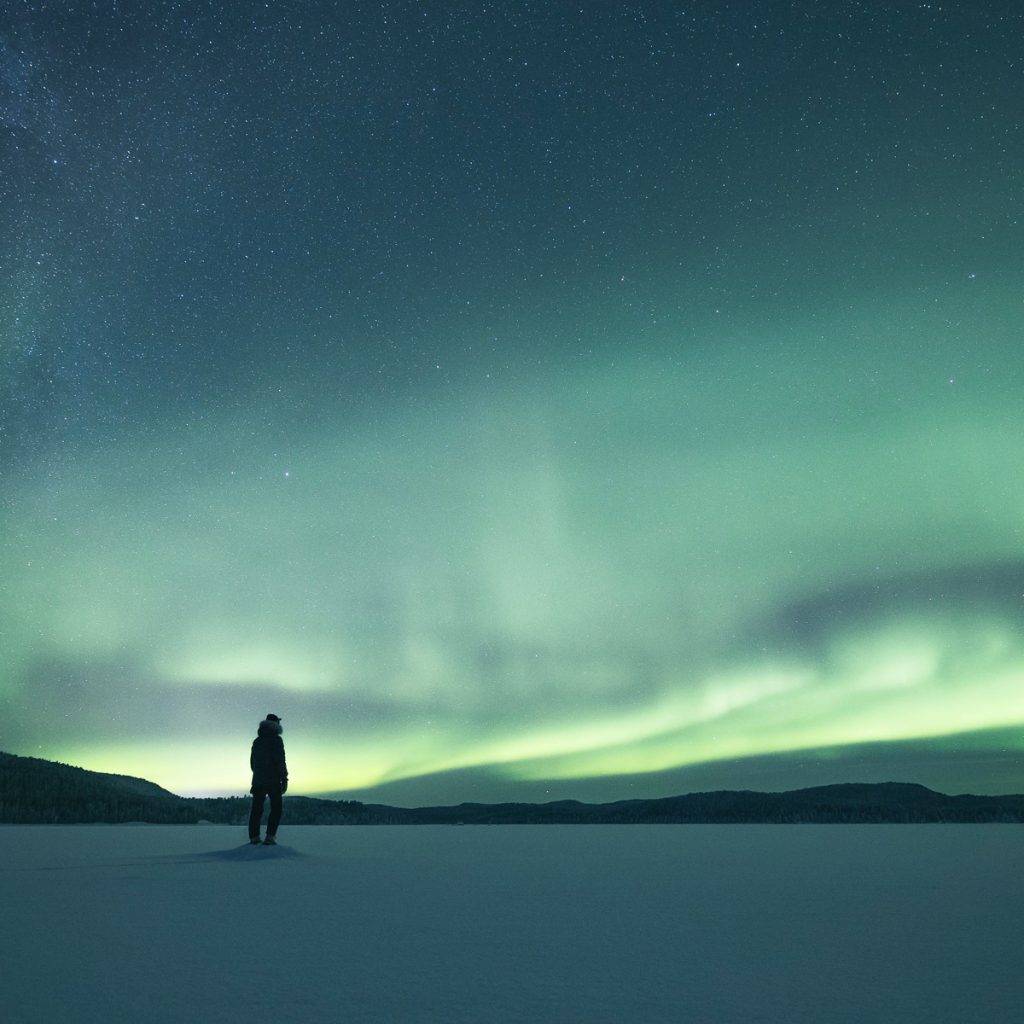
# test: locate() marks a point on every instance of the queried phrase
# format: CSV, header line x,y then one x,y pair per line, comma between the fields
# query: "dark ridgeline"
x,y
33,791
38,792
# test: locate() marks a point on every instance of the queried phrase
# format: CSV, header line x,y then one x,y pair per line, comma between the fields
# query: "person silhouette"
x,y
269,778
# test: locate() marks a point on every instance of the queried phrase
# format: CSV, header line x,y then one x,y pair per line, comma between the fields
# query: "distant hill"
x,y
34,791
38,792
887,802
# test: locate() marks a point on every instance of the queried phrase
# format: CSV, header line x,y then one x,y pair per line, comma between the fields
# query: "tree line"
x,y
34,791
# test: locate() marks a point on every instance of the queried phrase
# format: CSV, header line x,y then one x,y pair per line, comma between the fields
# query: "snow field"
x,y
531,924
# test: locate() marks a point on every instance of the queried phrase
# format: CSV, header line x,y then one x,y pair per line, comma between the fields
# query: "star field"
x,y
517,398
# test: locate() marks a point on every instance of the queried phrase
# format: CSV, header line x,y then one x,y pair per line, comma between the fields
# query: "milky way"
x,y
518,400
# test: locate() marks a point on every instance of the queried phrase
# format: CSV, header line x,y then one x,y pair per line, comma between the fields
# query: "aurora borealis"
x,y
518,399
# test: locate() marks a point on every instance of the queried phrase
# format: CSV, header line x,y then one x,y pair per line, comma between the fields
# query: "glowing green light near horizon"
x,y
745,713
554,582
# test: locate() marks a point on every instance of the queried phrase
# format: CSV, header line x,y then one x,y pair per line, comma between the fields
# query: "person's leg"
x,y
258,796
275,812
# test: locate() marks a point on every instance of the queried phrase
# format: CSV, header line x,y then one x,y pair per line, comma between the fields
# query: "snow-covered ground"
x,y
518,923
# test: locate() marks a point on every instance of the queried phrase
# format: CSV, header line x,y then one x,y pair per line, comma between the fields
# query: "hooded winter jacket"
x,y
269,769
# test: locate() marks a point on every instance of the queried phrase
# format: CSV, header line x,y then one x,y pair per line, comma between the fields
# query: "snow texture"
x,y
532,924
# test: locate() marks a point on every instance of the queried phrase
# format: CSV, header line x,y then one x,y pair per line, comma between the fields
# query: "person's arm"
x,y
283,766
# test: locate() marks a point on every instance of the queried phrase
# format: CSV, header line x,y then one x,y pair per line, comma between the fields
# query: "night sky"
x,y
521,399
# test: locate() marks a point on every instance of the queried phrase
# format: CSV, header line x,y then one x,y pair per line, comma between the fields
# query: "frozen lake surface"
x,y
531,924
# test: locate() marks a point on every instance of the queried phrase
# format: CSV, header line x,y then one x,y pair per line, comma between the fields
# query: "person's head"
x,y
271,724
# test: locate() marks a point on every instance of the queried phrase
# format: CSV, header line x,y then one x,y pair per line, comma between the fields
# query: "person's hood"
x,y
268,728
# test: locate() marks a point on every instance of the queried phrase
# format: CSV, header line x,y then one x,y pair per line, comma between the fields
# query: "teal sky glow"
x,y
660,432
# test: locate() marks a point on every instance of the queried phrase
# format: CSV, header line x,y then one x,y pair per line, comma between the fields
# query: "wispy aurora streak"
x,y
762,545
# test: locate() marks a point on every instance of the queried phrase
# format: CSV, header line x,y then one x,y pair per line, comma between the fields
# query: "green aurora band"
x,y
784,535
522,400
